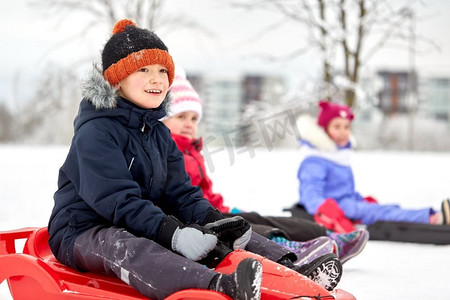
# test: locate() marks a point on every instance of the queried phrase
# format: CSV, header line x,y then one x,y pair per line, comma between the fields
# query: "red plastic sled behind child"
x,y
36,274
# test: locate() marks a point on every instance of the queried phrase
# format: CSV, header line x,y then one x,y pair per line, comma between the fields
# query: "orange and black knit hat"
x,y
131,48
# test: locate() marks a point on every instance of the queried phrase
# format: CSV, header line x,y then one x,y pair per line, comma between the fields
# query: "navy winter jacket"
x,y
123,169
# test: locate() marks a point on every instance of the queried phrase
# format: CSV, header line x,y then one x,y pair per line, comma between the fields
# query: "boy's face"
x,y
339,130
184,124
147,87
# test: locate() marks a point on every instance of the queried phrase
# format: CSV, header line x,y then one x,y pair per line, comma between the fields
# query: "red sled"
x,y
36,274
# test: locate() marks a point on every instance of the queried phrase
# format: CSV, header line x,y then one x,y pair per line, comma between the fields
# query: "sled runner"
x,y
36,274
395,231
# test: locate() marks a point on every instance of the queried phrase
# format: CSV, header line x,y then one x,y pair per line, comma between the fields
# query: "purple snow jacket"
x,y
123,169
325,172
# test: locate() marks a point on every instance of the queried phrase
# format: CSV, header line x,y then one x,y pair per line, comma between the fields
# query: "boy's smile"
x,y
153,91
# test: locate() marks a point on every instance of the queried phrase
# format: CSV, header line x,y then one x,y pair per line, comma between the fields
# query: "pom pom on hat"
x,y
330,111
183,96
131,48
122,24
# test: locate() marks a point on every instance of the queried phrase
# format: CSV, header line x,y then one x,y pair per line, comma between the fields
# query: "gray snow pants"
x,y
151,269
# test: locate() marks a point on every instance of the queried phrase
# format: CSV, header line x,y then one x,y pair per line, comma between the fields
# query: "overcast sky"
x,y
29,41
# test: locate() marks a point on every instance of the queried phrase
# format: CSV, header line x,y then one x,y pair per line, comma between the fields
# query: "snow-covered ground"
x,y
266,183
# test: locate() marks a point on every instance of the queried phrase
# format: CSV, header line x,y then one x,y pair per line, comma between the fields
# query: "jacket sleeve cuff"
x,y
166,231
212,216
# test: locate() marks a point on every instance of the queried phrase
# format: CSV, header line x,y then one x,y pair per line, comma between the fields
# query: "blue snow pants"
x,y
370,213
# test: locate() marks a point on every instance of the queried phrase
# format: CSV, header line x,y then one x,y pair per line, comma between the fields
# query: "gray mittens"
x,y
192,241
195,242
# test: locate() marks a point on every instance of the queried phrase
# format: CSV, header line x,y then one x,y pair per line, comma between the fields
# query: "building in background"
x,y
396,110
397,90
225,100
437,97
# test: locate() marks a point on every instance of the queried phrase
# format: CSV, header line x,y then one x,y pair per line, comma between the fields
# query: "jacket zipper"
x,y
148,154
131,163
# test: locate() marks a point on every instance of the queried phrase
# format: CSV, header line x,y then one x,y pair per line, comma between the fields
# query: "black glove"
x,y
192,241
212,216
234,232
216,255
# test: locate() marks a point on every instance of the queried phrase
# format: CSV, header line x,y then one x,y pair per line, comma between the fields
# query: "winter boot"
x,y
243,284
349,244
445,209
325,270
309,250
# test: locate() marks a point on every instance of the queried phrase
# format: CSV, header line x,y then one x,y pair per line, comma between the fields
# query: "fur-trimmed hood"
x,y
100,99
98,91
311,133
316,142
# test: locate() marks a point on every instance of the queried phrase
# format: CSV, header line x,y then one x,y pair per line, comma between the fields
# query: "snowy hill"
x,y
266,183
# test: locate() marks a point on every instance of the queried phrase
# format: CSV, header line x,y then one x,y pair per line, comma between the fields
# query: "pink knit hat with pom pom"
x,y
183,95
330,111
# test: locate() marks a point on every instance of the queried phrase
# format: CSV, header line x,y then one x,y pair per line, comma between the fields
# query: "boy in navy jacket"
x,y
125,205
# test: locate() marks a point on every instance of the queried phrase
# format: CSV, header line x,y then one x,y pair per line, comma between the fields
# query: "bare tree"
x,y
149,14
346,32
91,15
103,14
46,117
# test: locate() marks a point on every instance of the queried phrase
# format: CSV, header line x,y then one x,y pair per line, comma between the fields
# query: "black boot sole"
x,y
325,271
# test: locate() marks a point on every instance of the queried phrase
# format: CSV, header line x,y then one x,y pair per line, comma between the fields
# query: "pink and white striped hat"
x,y
183,95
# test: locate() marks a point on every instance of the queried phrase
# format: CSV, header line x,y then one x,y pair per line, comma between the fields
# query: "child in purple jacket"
x,y
327,187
